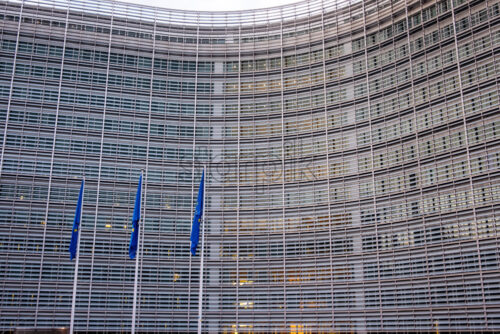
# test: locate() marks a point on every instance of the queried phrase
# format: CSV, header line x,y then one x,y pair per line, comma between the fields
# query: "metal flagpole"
x,y
134,304
200,294
77,260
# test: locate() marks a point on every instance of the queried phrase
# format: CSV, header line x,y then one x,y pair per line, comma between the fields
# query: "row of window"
x,y
113,198
114,221
398,128
392,53
449,292
434,172
353,191
96,29
420,18
431,117
399,267
69,168
473,318
297,246
443,200
434,263
440,141
400,153
39,70
461,229
438,294
293,60
387,211
79,97
93,146
96,56
111,125
293,82
392,210
378,83
267,198
288,61
186,87
423,92
375,84
428,145
269,173
380,106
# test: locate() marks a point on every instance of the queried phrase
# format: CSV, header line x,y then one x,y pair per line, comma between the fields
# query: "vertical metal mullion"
x,y
372,172
471,184
202,255
325,102
11,89
52,154
489,32
419,165
238,185
193,162
104,108
77,260
283,157
201,272
140,251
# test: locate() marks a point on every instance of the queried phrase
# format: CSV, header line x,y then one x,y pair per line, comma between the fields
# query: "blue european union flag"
x,y
76,225
195,228
134,237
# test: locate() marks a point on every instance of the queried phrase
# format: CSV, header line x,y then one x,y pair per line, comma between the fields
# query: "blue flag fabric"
x,y
76,225
134,237
195,228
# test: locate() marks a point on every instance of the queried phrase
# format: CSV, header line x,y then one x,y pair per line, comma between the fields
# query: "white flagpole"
x,y
200,294
134,304
77,260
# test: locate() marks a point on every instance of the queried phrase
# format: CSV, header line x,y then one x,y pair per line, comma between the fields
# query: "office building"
x,y
353,155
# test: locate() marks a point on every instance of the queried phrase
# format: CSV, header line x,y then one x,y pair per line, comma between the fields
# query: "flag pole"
x,y
77,261
134,304
200,294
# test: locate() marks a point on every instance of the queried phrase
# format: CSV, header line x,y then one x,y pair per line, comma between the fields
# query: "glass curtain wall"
x,y
353,158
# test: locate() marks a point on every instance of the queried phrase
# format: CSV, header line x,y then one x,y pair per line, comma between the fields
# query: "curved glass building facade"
x,y
353,156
